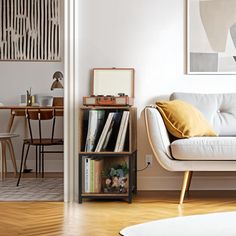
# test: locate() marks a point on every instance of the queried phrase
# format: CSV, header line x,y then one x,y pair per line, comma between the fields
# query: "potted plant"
x,y
116,178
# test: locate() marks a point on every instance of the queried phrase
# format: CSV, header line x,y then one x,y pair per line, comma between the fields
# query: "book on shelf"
x,y
87,175
123,135
98,166
95,124
105,132
120,131
110,141
110,131
93,175
119,147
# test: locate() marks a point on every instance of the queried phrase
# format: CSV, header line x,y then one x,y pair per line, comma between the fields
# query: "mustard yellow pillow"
x,y
183,120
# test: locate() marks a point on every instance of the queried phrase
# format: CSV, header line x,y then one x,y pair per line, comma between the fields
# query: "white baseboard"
x,y
198,183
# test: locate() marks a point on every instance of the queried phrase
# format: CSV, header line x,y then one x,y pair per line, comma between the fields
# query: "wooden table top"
x,y
18,107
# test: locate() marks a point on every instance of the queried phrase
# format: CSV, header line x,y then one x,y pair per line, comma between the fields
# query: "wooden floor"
x,y
103,217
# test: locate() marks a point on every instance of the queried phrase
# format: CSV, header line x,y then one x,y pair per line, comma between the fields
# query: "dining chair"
x,y
39,141
5,141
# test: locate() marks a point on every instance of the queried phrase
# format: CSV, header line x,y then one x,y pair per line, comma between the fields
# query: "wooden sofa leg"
x,y
189,180
184,186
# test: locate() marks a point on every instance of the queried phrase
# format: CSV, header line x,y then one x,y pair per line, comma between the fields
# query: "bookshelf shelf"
x,y
104,172
104,194
105,153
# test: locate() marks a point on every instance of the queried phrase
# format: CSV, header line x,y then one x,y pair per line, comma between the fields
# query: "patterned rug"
x,y
32,189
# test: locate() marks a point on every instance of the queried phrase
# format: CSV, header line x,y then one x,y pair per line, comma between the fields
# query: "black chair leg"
x,y
36,167
26,156
42,161
21,164
39,159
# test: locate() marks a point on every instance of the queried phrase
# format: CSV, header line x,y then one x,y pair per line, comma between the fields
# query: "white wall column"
x,y
71,102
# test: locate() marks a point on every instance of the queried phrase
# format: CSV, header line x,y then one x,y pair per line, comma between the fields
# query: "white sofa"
x,y
197,153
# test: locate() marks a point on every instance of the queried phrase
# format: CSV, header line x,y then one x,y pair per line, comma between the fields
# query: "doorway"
x,y
30,70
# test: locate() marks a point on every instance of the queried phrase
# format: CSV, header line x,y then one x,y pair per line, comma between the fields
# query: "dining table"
x,y
20,111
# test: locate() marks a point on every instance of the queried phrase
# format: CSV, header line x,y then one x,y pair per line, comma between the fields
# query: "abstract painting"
x,y
30,30
211,37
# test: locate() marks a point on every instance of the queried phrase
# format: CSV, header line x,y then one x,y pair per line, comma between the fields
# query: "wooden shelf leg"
x,y
4,166
12,154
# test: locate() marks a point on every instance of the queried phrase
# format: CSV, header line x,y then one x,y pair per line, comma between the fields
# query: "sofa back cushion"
x,y
218,109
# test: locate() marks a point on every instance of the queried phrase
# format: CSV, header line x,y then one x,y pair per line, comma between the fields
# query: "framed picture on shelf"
x,y
211,37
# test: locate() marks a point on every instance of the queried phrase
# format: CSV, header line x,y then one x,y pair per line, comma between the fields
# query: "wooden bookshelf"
x,y
128,156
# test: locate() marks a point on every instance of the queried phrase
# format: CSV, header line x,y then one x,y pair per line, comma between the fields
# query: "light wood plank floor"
x,y
106,218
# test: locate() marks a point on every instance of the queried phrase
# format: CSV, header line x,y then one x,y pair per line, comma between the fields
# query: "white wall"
x,y
148,35
16,78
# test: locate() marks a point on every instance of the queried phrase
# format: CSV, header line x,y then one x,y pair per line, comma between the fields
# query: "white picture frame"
x,y
211,49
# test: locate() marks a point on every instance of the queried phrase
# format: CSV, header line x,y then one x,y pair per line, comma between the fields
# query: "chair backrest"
x,y
59,112
40,115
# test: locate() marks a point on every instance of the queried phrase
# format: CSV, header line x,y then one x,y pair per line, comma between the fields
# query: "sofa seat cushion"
x,y
204,148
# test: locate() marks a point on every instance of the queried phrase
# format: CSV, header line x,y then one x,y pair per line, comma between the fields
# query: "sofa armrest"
x,y
157,133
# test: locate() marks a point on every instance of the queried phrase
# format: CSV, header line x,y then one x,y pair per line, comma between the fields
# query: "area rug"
x,y
215,224
32,189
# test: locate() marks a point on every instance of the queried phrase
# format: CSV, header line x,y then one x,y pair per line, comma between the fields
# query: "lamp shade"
x,y
57,76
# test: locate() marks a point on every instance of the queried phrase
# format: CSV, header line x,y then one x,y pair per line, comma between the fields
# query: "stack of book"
x,y
93,176
106,135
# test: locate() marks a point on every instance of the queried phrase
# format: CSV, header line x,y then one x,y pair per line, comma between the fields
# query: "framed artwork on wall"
x,y
30,30
211,37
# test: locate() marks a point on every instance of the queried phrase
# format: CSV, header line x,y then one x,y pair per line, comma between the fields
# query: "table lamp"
x,y
57,76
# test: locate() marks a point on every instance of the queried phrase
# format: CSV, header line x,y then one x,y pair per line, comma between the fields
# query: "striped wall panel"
x,y
30,30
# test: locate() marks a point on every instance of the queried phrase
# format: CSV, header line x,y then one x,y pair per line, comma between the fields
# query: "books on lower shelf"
x,y
108,137
93,175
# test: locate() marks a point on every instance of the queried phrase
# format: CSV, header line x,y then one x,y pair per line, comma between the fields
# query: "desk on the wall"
x,y
21,110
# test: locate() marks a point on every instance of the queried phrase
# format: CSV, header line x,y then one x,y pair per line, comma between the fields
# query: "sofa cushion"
x,y
183,120
204,148
218,109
